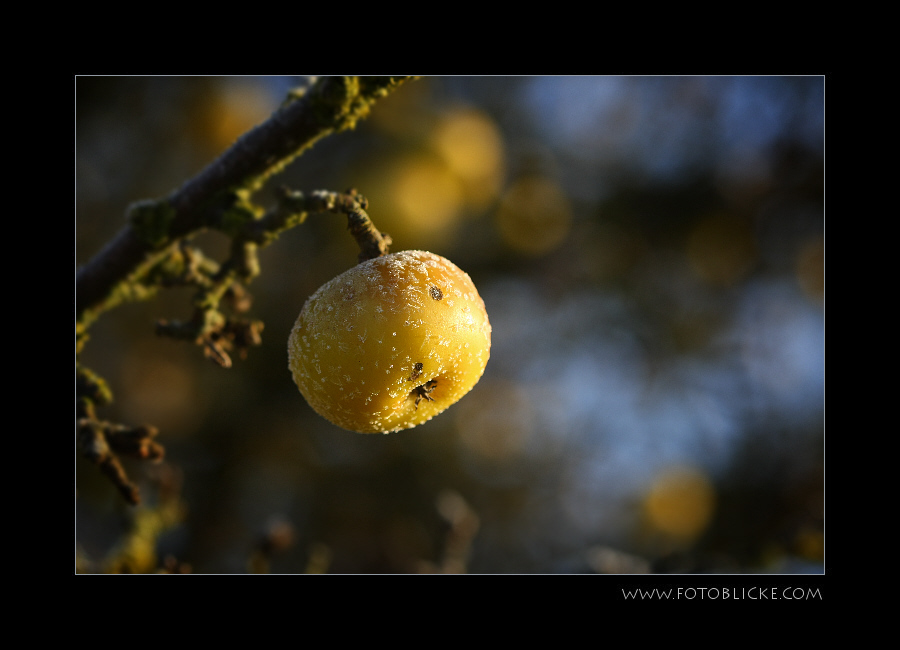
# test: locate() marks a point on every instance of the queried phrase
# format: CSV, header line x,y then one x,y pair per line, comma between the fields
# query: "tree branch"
x,y
152,252
330,105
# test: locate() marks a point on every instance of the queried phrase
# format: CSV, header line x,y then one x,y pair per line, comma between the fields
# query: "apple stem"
x,y
372,242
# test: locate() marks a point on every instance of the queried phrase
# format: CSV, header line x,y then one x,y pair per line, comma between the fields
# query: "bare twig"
x,y
99,442
463,526
372,243
278,537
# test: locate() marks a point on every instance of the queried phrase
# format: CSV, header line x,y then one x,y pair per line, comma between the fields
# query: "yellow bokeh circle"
x,y
534,216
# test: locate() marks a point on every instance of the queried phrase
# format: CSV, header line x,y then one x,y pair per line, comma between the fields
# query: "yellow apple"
x,y
390,343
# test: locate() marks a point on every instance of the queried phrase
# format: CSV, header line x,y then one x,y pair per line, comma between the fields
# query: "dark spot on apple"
x,y
424,392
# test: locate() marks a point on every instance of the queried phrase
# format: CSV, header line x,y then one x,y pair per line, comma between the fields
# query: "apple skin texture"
x,y
390,343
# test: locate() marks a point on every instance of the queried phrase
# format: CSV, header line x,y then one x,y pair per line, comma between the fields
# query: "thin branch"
x,y
372,243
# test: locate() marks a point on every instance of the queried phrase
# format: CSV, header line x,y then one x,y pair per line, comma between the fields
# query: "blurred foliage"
x,y
651,254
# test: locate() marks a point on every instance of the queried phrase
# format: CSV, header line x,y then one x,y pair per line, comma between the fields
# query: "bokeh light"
x,y
472,146
679,504
721,249
426,195
534,216
158,389
495,423
233,107
811,268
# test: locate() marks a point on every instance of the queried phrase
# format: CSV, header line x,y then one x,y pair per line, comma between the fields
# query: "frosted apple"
x,y
390,343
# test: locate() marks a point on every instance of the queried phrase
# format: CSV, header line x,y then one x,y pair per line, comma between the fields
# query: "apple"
x,y
390,343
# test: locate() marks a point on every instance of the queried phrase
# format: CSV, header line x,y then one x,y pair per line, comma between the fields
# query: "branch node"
x,y
92,440
151,220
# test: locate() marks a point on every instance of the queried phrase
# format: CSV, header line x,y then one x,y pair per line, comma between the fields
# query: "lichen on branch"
x,y
292,205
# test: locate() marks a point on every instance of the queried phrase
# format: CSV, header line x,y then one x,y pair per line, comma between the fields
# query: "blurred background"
x,y
651,254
